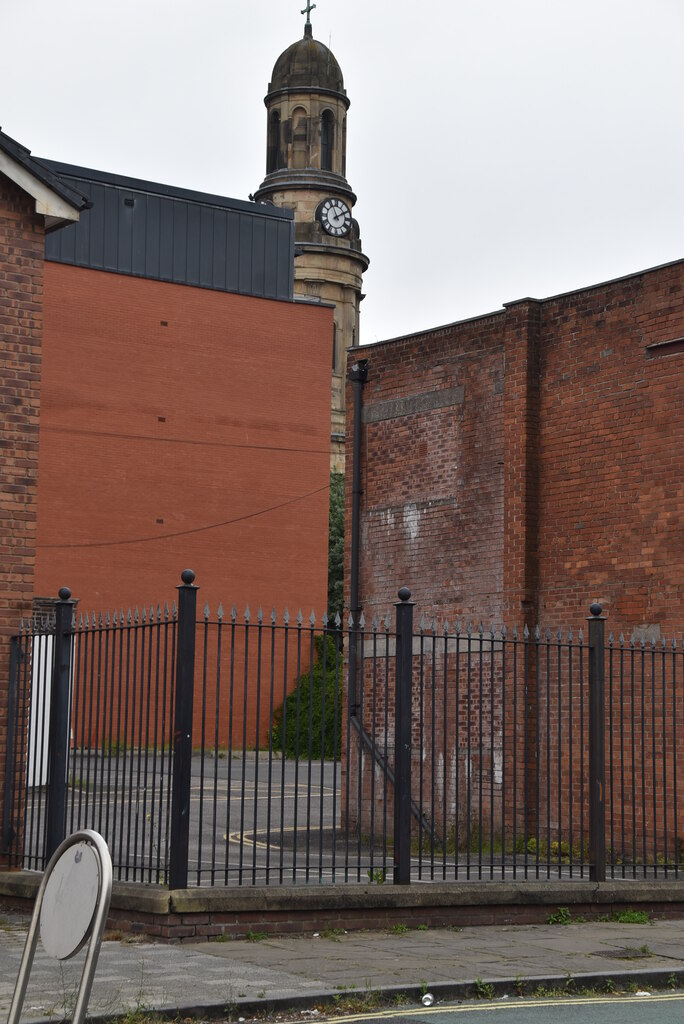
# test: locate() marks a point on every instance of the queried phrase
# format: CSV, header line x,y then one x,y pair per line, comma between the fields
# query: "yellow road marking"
x,y
234,837
515,1003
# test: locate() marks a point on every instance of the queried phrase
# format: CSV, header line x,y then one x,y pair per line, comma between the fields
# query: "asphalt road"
x,y
628,1009
254,820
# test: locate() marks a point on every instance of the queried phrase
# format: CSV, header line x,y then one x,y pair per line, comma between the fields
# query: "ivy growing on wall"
x,y
336,548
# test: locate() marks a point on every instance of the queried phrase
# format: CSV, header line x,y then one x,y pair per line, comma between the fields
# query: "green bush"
x,y
310,695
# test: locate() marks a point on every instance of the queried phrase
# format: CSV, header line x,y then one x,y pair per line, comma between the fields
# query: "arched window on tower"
x,y
273,149
327,139
299,138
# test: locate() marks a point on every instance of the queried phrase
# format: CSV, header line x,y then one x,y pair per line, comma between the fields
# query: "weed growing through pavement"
x,y
562,916
630,916
542,992
636,952
483,989
627,916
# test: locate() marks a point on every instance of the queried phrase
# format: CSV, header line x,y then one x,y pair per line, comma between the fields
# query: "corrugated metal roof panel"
x,y
154,231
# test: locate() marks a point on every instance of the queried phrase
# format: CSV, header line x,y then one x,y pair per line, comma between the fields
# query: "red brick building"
x,y
518,465
180,395
33,200
185,411
514,468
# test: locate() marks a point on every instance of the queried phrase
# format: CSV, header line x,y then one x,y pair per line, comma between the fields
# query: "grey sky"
x,y
499,149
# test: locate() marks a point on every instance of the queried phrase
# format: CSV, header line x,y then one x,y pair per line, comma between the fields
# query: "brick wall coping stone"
x,y
154,899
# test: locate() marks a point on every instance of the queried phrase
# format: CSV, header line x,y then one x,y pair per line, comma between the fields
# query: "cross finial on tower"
x,y
307,10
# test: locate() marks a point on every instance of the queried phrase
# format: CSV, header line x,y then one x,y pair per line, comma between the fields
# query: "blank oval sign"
x,y
69,901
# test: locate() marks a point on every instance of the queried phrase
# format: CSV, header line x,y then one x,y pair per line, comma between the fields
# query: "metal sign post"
x,y
71,909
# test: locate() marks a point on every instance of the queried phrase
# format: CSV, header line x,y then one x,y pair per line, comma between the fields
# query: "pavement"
x,y
237,978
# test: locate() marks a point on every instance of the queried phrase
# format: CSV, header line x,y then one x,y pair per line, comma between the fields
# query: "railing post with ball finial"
x,y
58,741
597,745
403,716
182,732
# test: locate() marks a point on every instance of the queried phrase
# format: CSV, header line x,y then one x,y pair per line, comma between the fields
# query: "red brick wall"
x,y
182,427
556,479
611,518
526,501
432,481
521,460
21,321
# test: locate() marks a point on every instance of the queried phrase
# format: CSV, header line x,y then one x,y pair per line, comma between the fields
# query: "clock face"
x,y
335,217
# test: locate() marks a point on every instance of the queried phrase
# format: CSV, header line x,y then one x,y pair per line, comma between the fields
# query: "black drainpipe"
x,y
358,375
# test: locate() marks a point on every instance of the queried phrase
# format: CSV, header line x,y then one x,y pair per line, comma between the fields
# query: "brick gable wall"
x,y
21,322
432,471
611,441
515,468
552,478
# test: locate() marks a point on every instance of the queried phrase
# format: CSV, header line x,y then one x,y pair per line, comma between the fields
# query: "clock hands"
x,y
336,217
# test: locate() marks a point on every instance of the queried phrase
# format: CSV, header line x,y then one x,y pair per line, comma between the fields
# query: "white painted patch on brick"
x,y
411,520
498,767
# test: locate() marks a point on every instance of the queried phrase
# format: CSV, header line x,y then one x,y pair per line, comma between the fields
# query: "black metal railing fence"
x,y
220,749
113,751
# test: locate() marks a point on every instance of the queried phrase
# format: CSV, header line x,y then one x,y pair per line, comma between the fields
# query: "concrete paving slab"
x,y
282,971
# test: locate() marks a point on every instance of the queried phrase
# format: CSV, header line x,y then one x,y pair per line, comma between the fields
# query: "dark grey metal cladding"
x,y
154,231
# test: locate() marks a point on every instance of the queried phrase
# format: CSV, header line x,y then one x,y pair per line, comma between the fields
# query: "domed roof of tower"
x,y
307,64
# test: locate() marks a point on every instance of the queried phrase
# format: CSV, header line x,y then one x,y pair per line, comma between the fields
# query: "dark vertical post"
x,y
358,374
8,831
182,732
402,739
597,746
58,740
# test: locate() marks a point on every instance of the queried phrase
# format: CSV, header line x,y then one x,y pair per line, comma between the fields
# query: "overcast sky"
x,y
498,149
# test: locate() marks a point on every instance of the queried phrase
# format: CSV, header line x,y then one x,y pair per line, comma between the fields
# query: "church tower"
x,y
307,108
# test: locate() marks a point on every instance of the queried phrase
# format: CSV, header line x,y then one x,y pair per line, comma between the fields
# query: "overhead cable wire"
x,y
184,440
187,533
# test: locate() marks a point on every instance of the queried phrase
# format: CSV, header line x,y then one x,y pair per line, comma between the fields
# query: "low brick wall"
x,y
192,915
